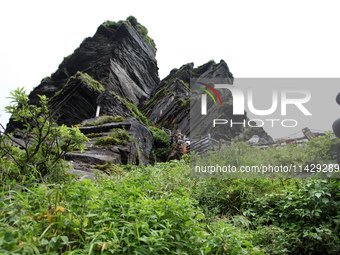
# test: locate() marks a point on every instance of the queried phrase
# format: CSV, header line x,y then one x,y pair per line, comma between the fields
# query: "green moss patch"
x,y
134,111
110,169
89,81
105,119
117,137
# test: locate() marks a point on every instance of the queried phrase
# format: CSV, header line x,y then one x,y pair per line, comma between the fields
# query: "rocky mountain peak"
x,y
120,56
114,74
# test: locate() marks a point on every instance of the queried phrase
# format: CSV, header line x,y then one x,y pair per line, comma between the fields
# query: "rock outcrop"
x,y
116,71
120,56
171,101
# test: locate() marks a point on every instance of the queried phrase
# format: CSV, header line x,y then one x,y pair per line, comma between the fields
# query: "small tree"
x,y
36,149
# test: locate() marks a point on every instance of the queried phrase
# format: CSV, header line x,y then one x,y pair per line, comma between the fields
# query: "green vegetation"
x,y
320,151
111,25
184,103
158,96
105,119
143,31
160,209
92,83
84,77
110,169
117,137
133,110
187,85
136,113
94,135
162,93
161,144
39,155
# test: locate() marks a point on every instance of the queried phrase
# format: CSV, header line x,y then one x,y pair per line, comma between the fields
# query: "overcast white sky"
x,y
261,38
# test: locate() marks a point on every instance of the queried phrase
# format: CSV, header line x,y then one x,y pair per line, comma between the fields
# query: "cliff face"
x,y
116,69
171,101
169,105
120,56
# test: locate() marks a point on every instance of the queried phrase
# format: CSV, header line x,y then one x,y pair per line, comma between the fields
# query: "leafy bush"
x,y
324,147
311,210
161,143
226,239
145,211
117,217
237,154
40,151
231,196
273,240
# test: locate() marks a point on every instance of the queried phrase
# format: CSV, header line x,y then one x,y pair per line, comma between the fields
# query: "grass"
x,y
104,120
89,81
132,21
110,169
161,209
84,77
117,137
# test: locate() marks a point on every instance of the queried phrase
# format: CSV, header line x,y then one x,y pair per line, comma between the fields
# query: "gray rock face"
x,y
74,103
120,56
143,141
116,69
170,103
169,106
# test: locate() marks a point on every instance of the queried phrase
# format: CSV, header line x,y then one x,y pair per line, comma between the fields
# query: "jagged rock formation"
x,y
113,70
116,69
120,56
136,151
170,103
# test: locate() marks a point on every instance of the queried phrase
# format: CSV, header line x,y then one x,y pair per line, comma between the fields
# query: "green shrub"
x,y
161,143
147,211
120,217
324,147
40,153
310,210
226,239
273,240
